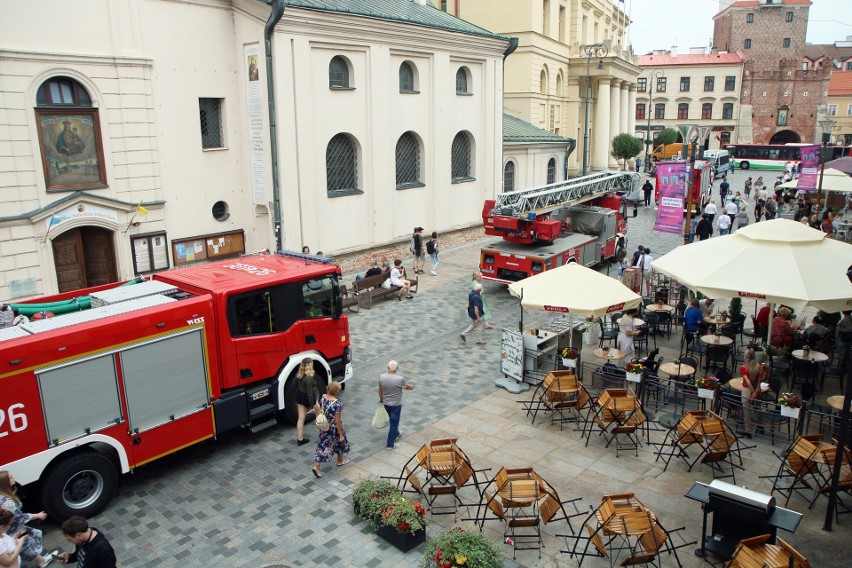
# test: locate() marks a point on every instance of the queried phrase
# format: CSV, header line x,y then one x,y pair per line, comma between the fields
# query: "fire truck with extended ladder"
x,y
577,220
116,376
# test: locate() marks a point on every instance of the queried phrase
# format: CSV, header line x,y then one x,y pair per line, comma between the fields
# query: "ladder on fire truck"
x,y
549,198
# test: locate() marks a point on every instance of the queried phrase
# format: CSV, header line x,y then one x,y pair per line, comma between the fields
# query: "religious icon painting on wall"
x,y
71,149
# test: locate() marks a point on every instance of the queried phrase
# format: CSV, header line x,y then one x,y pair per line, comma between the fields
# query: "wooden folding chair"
x,y
798,466
799,561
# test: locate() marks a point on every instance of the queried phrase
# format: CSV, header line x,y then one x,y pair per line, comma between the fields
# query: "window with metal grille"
x,y
62,91
747,44
683,110
707,110
406,78
509,176
641,84
728,110
210,111
749,18
709,83
660,110
461,81
730,82
684,83
661,84
407,161
341,165
789,16
338,73
640,110
461,169
551,170
786,42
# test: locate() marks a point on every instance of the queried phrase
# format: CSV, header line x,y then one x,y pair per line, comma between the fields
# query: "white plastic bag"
x,y
386,284
380,417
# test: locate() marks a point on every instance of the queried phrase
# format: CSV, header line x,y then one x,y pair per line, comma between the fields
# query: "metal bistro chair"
x,y
609,332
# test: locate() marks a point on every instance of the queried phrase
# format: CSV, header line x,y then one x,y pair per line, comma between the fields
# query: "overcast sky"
x,y
660,24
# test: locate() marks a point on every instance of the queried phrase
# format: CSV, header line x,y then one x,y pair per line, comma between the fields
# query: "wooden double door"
x,y
84,257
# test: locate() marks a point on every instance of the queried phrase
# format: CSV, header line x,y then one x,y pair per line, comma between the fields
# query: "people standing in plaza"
x,y
432,249
638,164
770,208
742,217
474,312
647,259
305,397
417,250
332,441
626,332
648,189
704,228
32,550
640,250
397,279
732,207
391,385
747,186
752,374
91,547
724,225
486,312
710,211
723,191
758,210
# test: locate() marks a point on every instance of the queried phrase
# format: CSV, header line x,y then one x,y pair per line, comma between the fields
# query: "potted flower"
x,y
634,371
569,357
790,404
396,519
707,386
459,548
806,351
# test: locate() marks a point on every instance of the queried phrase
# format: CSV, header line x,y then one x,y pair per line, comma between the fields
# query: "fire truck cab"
x,y
579,220
117,376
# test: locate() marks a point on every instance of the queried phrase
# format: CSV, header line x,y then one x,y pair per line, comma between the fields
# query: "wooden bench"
x,y
371,287
349,300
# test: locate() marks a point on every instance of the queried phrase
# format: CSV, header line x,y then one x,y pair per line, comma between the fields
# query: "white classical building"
x,y
136,135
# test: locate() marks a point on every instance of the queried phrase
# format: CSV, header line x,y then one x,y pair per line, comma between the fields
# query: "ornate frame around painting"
x,y
71,149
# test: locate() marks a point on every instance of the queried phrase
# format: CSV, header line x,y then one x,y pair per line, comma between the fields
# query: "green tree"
x,y
666,136
625,146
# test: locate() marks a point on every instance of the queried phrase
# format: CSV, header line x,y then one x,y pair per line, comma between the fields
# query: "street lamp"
x,y
825,125
688,133
652,76
600,51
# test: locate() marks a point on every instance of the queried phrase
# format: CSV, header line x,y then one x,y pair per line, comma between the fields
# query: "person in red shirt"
x,y
782,331
763,317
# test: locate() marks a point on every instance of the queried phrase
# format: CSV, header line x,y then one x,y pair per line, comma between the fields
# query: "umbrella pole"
x,y
521,305
769,324
842,440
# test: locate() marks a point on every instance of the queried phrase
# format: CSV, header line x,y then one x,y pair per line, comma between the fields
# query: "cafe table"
x,y
611,355
677,369
637,322
812,356
713,339
659,308
835,402
716,320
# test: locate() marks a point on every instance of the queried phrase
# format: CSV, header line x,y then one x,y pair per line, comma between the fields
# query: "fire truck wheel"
x,y
79,484
291,414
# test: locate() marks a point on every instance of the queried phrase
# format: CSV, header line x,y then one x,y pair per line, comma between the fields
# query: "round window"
x,y
220,211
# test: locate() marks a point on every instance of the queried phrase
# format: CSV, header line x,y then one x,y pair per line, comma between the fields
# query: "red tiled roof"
x,y
840,83
815,51
651,60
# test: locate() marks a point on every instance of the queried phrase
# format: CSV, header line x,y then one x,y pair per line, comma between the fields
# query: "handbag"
x,y
386,284
380,417
322,422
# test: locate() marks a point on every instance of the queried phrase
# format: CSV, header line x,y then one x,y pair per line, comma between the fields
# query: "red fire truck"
x,y
702,183
122,375
577,220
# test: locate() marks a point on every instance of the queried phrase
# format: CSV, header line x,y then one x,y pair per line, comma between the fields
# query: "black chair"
x,y
680,309
664,323
641,338
739,323
691,345
718,355
652,322
779,365
692,362
834,367
756,333
804,372
608,332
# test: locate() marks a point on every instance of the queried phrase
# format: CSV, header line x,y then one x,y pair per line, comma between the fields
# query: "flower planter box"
x,y
569,363
706,393
788,412
403,541
634,377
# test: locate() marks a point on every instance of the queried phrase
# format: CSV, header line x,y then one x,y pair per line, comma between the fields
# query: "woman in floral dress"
x,y
332,441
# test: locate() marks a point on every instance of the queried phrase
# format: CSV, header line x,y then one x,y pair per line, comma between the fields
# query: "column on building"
x,y
615,119
624,120
574,116
631,109
600,132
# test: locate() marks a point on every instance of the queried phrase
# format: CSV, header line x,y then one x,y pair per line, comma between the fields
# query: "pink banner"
x,y
672,179
809,156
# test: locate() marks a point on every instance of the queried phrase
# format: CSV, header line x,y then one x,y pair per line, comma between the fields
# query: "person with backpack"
x,y
432,249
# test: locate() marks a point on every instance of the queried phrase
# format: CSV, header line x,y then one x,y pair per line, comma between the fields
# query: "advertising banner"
x,y
809,156
673,179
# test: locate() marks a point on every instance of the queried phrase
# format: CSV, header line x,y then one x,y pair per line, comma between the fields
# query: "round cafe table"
x,y
713,339
677,370
813,356
637,322
835,402
736,383
659,308
608,355
716,320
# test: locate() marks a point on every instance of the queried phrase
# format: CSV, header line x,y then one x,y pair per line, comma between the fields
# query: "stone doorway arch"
x,y
785,137
83,257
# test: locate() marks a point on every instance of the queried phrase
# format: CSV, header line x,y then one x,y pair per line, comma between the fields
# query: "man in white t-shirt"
x,y
646,261
710,210
397,280
724,225
731,209
10,547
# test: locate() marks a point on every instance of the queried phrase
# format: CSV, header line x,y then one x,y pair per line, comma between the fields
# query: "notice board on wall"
x,y
208,247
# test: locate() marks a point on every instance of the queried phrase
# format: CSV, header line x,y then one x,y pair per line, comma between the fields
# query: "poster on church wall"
x,y
254,111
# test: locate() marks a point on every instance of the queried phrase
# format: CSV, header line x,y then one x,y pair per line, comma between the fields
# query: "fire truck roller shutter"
x,y
287,386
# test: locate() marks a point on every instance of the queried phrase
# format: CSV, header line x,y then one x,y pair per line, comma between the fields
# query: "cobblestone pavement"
x,y
250,500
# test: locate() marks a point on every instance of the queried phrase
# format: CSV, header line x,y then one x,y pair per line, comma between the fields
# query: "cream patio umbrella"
x,y
575,290
778,261
833,180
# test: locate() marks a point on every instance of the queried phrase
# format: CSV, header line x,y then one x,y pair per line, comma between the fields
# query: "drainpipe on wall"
x,y
274,17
